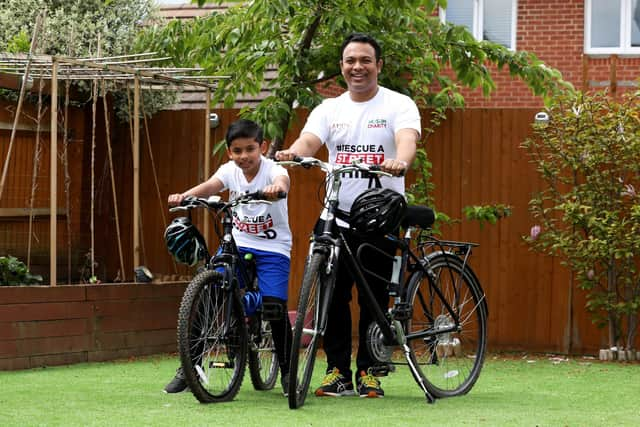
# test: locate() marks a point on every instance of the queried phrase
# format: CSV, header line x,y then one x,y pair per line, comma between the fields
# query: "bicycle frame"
x,y
331,241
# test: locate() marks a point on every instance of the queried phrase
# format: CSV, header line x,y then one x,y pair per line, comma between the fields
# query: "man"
x,y
382,127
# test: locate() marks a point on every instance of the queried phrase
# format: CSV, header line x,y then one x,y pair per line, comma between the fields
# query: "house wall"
x,y
554,31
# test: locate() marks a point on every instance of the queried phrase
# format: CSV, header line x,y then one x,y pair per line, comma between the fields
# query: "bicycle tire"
x,y
213,354
263,359
315,295
449,363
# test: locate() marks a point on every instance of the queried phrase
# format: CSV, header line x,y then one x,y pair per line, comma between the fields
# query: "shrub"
x,y
14,272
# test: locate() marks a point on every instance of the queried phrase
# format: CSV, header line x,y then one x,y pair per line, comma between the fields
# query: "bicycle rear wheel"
x,y
308,328
212,339
263,359
449,362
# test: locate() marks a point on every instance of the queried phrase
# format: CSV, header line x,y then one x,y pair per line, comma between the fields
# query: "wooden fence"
x,y
477,159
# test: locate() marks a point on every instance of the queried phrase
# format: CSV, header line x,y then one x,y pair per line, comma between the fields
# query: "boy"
x,y
270,242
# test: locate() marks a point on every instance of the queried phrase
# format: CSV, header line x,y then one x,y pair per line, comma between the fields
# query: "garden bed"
x,y
43,325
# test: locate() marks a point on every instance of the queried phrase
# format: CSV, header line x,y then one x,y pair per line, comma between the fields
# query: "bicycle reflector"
x,y
377,210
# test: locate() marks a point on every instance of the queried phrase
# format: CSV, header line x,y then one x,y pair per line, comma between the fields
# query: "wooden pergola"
x,y
131,71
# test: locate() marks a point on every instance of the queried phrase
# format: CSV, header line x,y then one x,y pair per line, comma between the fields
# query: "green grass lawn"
x,y
513,390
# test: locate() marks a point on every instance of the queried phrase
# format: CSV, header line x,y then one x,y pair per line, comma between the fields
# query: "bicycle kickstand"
x,y
430,397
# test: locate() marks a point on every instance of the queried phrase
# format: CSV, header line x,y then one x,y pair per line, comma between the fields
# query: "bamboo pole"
x,y
113,178
136,171
34,174
94,102
207,151
53,181
137,73
163,204
25,78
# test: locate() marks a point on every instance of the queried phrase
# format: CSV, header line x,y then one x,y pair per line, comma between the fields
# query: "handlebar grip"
x,y
297,159
259,195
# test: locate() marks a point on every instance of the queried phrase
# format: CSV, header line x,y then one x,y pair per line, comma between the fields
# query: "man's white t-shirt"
x,y
364,130
258,225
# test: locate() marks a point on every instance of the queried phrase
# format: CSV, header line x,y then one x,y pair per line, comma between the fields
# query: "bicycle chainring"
x,y
375,343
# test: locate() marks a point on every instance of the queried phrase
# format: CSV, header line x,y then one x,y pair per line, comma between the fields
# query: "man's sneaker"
x,y
284,381
335,384
369,386
177,384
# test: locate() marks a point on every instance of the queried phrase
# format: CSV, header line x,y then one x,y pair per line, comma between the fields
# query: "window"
x,y
493,20
612,26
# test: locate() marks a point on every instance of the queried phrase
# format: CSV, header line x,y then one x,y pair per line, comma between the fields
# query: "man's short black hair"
x,y
361,38
243,128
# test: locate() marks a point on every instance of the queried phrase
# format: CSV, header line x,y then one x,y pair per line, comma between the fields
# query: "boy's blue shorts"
x,y
272,269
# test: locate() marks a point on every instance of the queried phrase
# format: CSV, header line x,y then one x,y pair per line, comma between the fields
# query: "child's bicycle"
x,y
438,318
221,321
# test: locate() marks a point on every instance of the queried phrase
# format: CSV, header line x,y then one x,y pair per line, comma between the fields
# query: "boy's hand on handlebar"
x,y
273,192
175,199
395,167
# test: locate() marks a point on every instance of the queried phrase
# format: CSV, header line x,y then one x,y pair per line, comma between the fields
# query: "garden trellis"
x,y
124,72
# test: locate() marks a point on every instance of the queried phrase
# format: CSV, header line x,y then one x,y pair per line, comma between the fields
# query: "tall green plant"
x,y
589,210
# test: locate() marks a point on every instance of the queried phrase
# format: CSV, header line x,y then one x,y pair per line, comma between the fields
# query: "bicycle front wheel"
x,y
263,359
448,362
315,295
212,339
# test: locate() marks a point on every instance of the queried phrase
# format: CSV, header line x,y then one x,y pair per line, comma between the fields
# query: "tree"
x,y
589,211
301,38
74,28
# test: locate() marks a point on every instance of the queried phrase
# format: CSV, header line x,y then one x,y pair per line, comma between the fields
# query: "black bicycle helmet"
x,y
185,242
377,210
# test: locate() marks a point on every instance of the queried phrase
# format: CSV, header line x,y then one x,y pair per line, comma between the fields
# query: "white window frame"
x,y
478,21
625,32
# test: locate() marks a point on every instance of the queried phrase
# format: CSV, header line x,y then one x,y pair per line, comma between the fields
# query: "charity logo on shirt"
x,y
260,225
377,123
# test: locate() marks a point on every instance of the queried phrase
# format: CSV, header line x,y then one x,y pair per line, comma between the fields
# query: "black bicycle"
x,y
438,317
217,331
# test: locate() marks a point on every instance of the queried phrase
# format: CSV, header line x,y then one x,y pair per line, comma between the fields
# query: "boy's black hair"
x,y
243,128
362,38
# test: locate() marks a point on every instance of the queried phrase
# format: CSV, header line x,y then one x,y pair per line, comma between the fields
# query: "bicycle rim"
x,y
306,332
450,362
212,339
263,359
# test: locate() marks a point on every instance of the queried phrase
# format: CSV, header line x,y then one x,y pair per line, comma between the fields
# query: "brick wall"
x,y
554,31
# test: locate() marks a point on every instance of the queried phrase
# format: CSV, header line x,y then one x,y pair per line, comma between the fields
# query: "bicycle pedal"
x,y
382,370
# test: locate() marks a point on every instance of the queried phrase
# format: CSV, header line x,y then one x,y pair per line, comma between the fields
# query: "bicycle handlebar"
x,y
355,165
216,202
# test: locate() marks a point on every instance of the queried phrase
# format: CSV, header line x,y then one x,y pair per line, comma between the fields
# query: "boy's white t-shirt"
x,y
257,225
364,130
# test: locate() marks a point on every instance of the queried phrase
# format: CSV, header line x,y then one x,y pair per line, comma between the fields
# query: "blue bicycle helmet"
x,y
185,242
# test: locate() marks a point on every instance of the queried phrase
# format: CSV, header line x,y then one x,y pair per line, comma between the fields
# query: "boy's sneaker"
x,y
369,386
177,384
284,381
335,384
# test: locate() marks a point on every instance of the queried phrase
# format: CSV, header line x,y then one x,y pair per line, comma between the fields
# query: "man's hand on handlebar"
x,y
395,167
286,155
